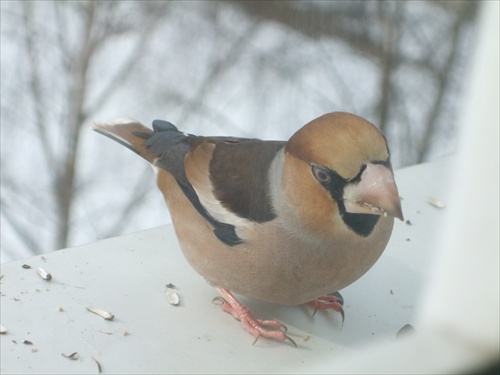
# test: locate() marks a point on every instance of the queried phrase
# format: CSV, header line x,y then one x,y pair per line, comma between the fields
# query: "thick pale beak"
x,y
375,193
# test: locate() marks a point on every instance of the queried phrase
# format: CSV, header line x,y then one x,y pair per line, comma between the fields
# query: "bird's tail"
x,y
129,133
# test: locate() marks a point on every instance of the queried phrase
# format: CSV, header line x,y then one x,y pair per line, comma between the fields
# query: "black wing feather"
x,y
171,146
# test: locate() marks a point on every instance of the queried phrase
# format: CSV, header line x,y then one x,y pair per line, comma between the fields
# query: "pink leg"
x,y
271,329
328,302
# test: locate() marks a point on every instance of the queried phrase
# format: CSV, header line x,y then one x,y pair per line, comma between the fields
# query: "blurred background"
x,y
244,68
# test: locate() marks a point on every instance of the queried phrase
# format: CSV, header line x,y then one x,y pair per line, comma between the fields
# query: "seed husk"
x,y
172,296
44,274
436,202
103,314
73,356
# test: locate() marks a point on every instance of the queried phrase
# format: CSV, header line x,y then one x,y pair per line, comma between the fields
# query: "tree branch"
x,y
64,186
134,58
23,233
225,61
443,77
36,85
346,23
141,191
391,21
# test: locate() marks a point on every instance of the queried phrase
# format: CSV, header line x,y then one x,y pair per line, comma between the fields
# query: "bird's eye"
x,y
321,174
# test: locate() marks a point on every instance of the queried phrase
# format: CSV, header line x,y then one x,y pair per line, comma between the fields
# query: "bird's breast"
x,y
275,263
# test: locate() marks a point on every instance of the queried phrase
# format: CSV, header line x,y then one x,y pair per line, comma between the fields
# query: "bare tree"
x,y
247,68
382,31
71,52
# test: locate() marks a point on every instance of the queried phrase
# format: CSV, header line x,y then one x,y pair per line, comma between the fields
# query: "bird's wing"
x,y
225,178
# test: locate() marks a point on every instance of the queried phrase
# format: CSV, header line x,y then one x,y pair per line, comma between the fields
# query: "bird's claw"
x,y
291,341
329,301
285,338
219,299
271,329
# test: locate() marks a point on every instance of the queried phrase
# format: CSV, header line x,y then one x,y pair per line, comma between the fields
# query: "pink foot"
x,y
271,329
328,302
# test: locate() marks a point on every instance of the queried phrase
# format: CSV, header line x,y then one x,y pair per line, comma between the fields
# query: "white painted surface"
x,y
127,276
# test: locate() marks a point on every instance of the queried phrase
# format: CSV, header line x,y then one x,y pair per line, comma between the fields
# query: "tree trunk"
x,y
65,184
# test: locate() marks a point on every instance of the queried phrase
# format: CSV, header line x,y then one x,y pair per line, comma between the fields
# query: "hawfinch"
x,y
282,222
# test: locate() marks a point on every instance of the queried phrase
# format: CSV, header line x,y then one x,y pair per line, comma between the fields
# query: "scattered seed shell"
x,y
27,342
26,266
44,274
34,350
436,202
99,369
126,333
73,356
306,338
106,332
103,314
172,296
3,329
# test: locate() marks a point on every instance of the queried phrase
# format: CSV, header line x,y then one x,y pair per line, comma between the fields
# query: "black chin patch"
x,y
361,224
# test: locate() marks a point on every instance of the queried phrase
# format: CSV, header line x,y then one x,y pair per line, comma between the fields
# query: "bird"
x,y
285,222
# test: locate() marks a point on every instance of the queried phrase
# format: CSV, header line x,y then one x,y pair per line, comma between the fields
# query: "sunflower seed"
x,y
436,202
44,274
172,296
103,314
73,356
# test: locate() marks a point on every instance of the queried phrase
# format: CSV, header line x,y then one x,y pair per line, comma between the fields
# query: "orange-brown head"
x,y
338,166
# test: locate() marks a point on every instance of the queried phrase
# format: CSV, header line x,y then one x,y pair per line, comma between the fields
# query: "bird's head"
x,y
338,165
